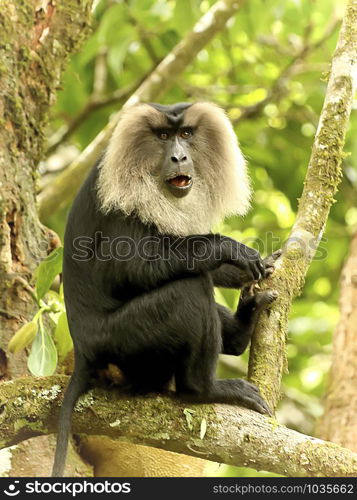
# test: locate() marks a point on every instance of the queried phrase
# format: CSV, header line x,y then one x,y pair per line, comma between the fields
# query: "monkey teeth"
x,y
180,181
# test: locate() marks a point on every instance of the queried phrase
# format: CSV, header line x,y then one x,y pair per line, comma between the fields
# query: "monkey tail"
x,y
77,386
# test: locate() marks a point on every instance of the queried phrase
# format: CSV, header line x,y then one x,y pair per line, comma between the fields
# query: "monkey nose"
x,y
176,159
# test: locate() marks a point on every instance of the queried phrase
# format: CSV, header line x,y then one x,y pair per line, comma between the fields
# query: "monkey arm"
x,y
237,328
166,259
230,276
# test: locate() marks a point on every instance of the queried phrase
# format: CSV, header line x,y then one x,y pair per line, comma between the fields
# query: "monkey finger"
x,y
269,271
256,272
256,269
248,291
277,254
270,260
262,268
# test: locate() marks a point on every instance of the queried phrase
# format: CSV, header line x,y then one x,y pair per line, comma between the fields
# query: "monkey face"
x,y
178,167
177,171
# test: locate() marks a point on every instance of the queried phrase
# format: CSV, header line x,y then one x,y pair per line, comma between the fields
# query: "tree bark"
x,y
267,355
233,435
36,39
339,422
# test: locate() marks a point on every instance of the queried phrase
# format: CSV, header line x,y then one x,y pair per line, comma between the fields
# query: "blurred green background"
x,y
268,69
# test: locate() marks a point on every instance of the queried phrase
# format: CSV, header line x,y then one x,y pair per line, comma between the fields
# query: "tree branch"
x,y
234,435
339,422
267,355
94,103
62,190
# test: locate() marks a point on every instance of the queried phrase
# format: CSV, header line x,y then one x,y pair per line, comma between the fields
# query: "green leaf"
x,y
47,271
23,337
189,418
117,55
62,336
203,428
184,15
43,356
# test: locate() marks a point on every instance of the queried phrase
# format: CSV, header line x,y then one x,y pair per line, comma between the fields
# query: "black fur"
x,y
154,317
174,113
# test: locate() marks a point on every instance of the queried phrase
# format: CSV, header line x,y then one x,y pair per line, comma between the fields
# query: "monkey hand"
x,y
249,274
249,262
269,262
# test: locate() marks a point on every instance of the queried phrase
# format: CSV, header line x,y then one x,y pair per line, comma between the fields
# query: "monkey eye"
x,y
186,133
163,136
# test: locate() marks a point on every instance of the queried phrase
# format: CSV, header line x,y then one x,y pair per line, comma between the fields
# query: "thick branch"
x,y
267,358
94,103
64,187
36,39
234,435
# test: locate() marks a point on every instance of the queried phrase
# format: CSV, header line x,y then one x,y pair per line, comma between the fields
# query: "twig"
x,y
94,103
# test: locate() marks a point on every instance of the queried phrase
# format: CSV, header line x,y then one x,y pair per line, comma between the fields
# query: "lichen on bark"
x,y
36,39
267,356
234,435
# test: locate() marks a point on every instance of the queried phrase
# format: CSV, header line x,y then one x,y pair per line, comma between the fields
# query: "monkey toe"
x,y
253,387
249,397
258,404
266,297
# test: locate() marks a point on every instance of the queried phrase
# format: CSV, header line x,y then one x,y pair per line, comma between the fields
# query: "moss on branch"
x,y
267,357
236,436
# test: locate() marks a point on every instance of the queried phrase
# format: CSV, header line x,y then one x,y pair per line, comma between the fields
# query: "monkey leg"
x,y
196,382
238,328
195,385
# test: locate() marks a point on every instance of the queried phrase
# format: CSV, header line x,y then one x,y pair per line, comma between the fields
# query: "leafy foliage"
x,y
48,332
47,271
42,360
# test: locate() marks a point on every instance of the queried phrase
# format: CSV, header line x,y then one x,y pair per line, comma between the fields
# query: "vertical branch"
x,y
339,423
267,356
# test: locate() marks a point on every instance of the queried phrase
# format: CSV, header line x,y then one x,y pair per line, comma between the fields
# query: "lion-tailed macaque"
x,y
140,261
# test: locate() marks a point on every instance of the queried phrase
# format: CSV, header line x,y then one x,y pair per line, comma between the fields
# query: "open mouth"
x,y
179,185
180,181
